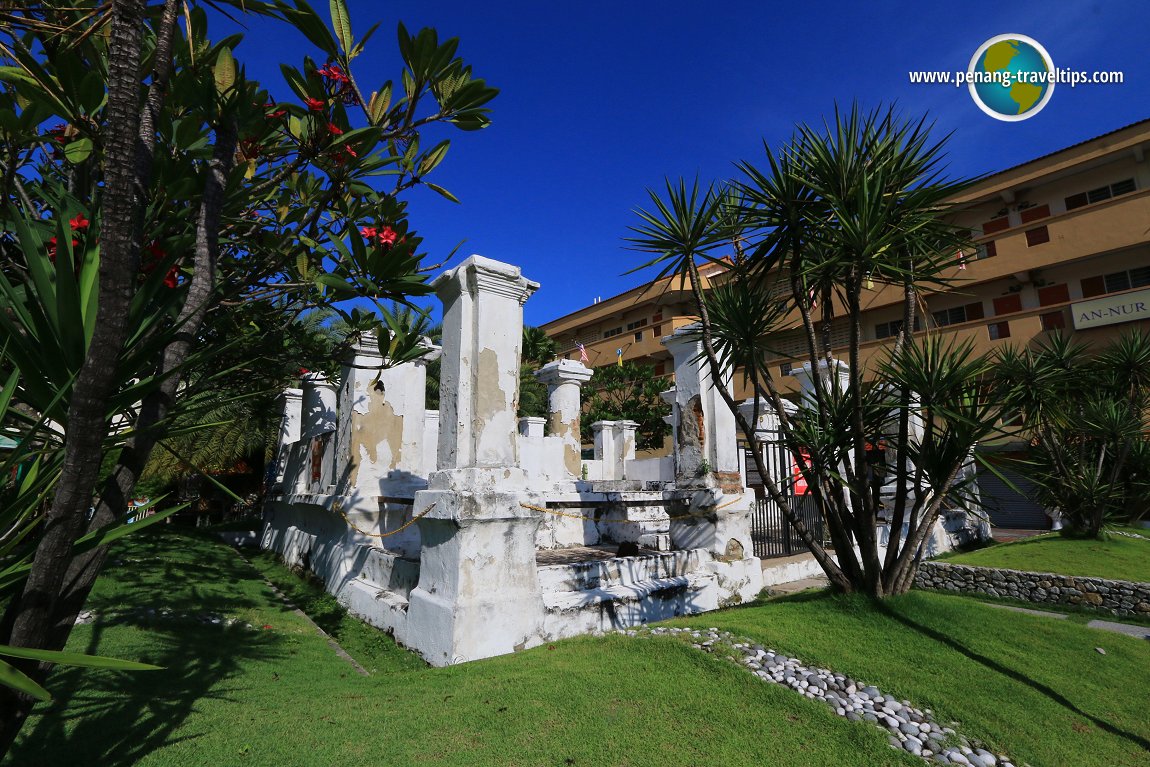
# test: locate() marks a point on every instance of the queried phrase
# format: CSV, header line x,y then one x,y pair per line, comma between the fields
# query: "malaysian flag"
x,y
583,353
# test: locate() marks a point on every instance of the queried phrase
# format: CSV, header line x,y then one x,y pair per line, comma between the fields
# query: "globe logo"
x,y
1011,77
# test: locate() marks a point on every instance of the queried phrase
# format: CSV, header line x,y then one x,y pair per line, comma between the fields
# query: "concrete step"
x,y
573,612
618,571
382,569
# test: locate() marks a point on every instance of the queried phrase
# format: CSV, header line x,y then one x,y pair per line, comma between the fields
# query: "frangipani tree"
x,y
149,190
849,207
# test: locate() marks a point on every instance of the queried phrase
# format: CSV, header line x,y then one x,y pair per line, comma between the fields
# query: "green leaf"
x,y
16,679
337,284
432,159
441,190
109,533
380,103
76,659
306,20
79,150
342,24
224,72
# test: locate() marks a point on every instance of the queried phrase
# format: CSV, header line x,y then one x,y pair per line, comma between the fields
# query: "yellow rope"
x,y
399,529
730,503
619,521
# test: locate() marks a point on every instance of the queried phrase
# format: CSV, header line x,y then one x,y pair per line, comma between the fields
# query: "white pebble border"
x,y
908,728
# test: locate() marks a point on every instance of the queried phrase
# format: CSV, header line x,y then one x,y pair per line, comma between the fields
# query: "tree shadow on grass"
x,y
1018,676
159,610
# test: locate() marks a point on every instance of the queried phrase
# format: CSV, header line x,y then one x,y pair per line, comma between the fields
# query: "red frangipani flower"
x,y
315,105
78,223
385,236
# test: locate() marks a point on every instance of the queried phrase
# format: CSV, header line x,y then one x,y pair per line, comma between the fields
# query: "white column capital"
x,y
564,372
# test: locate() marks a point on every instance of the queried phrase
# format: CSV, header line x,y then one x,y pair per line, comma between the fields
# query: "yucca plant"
x,y
856,202
1088,445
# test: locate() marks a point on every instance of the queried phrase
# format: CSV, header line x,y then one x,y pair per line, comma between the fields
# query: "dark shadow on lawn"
x,y
117,718
1018,676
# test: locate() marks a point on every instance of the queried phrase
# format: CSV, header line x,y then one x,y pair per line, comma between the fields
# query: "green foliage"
x,y
1032,687
538,347
1089,445
250,213
627,392
844,204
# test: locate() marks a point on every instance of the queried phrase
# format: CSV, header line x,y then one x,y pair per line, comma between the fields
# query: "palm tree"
x,y
538,347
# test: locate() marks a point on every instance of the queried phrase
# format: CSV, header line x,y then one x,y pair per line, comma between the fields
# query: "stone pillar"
x,y
291,401
614,446
479,380
317,425
717,506
531,427
769,437
381,419
478,593
706,433
606,448
319,405
430,440
564,380
834,374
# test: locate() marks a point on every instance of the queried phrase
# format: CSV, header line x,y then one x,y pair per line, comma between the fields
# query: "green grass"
x,y
1033,687
280,696
1117,557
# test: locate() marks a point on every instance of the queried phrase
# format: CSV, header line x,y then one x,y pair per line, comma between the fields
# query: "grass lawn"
x,y
1119,557
278,695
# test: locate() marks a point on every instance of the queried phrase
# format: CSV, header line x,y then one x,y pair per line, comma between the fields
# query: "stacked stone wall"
x,y
1115,597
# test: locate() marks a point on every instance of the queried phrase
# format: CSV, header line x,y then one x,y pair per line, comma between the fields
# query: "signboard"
x,y
799,485
1110,310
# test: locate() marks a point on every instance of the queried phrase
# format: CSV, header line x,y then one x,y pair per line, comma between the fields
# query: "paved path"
x,y
796,586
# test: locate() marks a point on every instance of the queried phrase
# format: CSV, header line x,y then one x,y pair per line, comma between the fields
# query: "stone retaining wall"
x,y
1115,597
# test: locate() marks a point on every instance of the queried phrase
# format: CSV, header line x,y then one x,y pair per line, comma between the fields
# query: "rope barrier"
x,y
618,521
532,507
399,529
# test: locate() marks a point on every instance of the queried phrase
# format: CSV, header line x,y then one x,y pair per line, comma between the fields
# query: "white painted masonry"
x,y
463,582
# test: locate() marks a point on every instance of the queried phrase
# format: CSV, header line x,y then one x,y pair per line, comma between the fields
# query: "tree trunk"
x,y
120,486
87,425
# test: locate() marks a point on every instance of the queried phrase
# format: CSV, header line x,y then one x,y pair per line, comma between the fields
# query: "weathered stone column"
x,y
769,436
705,437
531,427
614,446
381,428
289,435
564,380
478,592
318,422
834,376
717,507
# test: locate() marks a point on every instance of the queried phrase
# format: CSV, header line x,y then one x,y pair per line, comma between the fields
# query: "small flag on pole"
x,y
961,261
869,282
583,353
814,301
619,356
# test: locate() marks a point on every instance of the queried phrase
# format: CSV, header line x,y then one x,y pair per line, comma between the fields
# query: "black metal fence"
x,y
772,533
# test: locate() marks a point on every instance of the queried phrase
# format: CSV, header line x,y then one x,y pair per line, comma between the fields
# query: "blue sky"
x,y
601,101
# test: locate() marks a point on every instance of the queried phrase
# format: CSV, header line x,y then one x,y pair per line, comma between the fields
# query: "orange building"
x,y
1063,243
